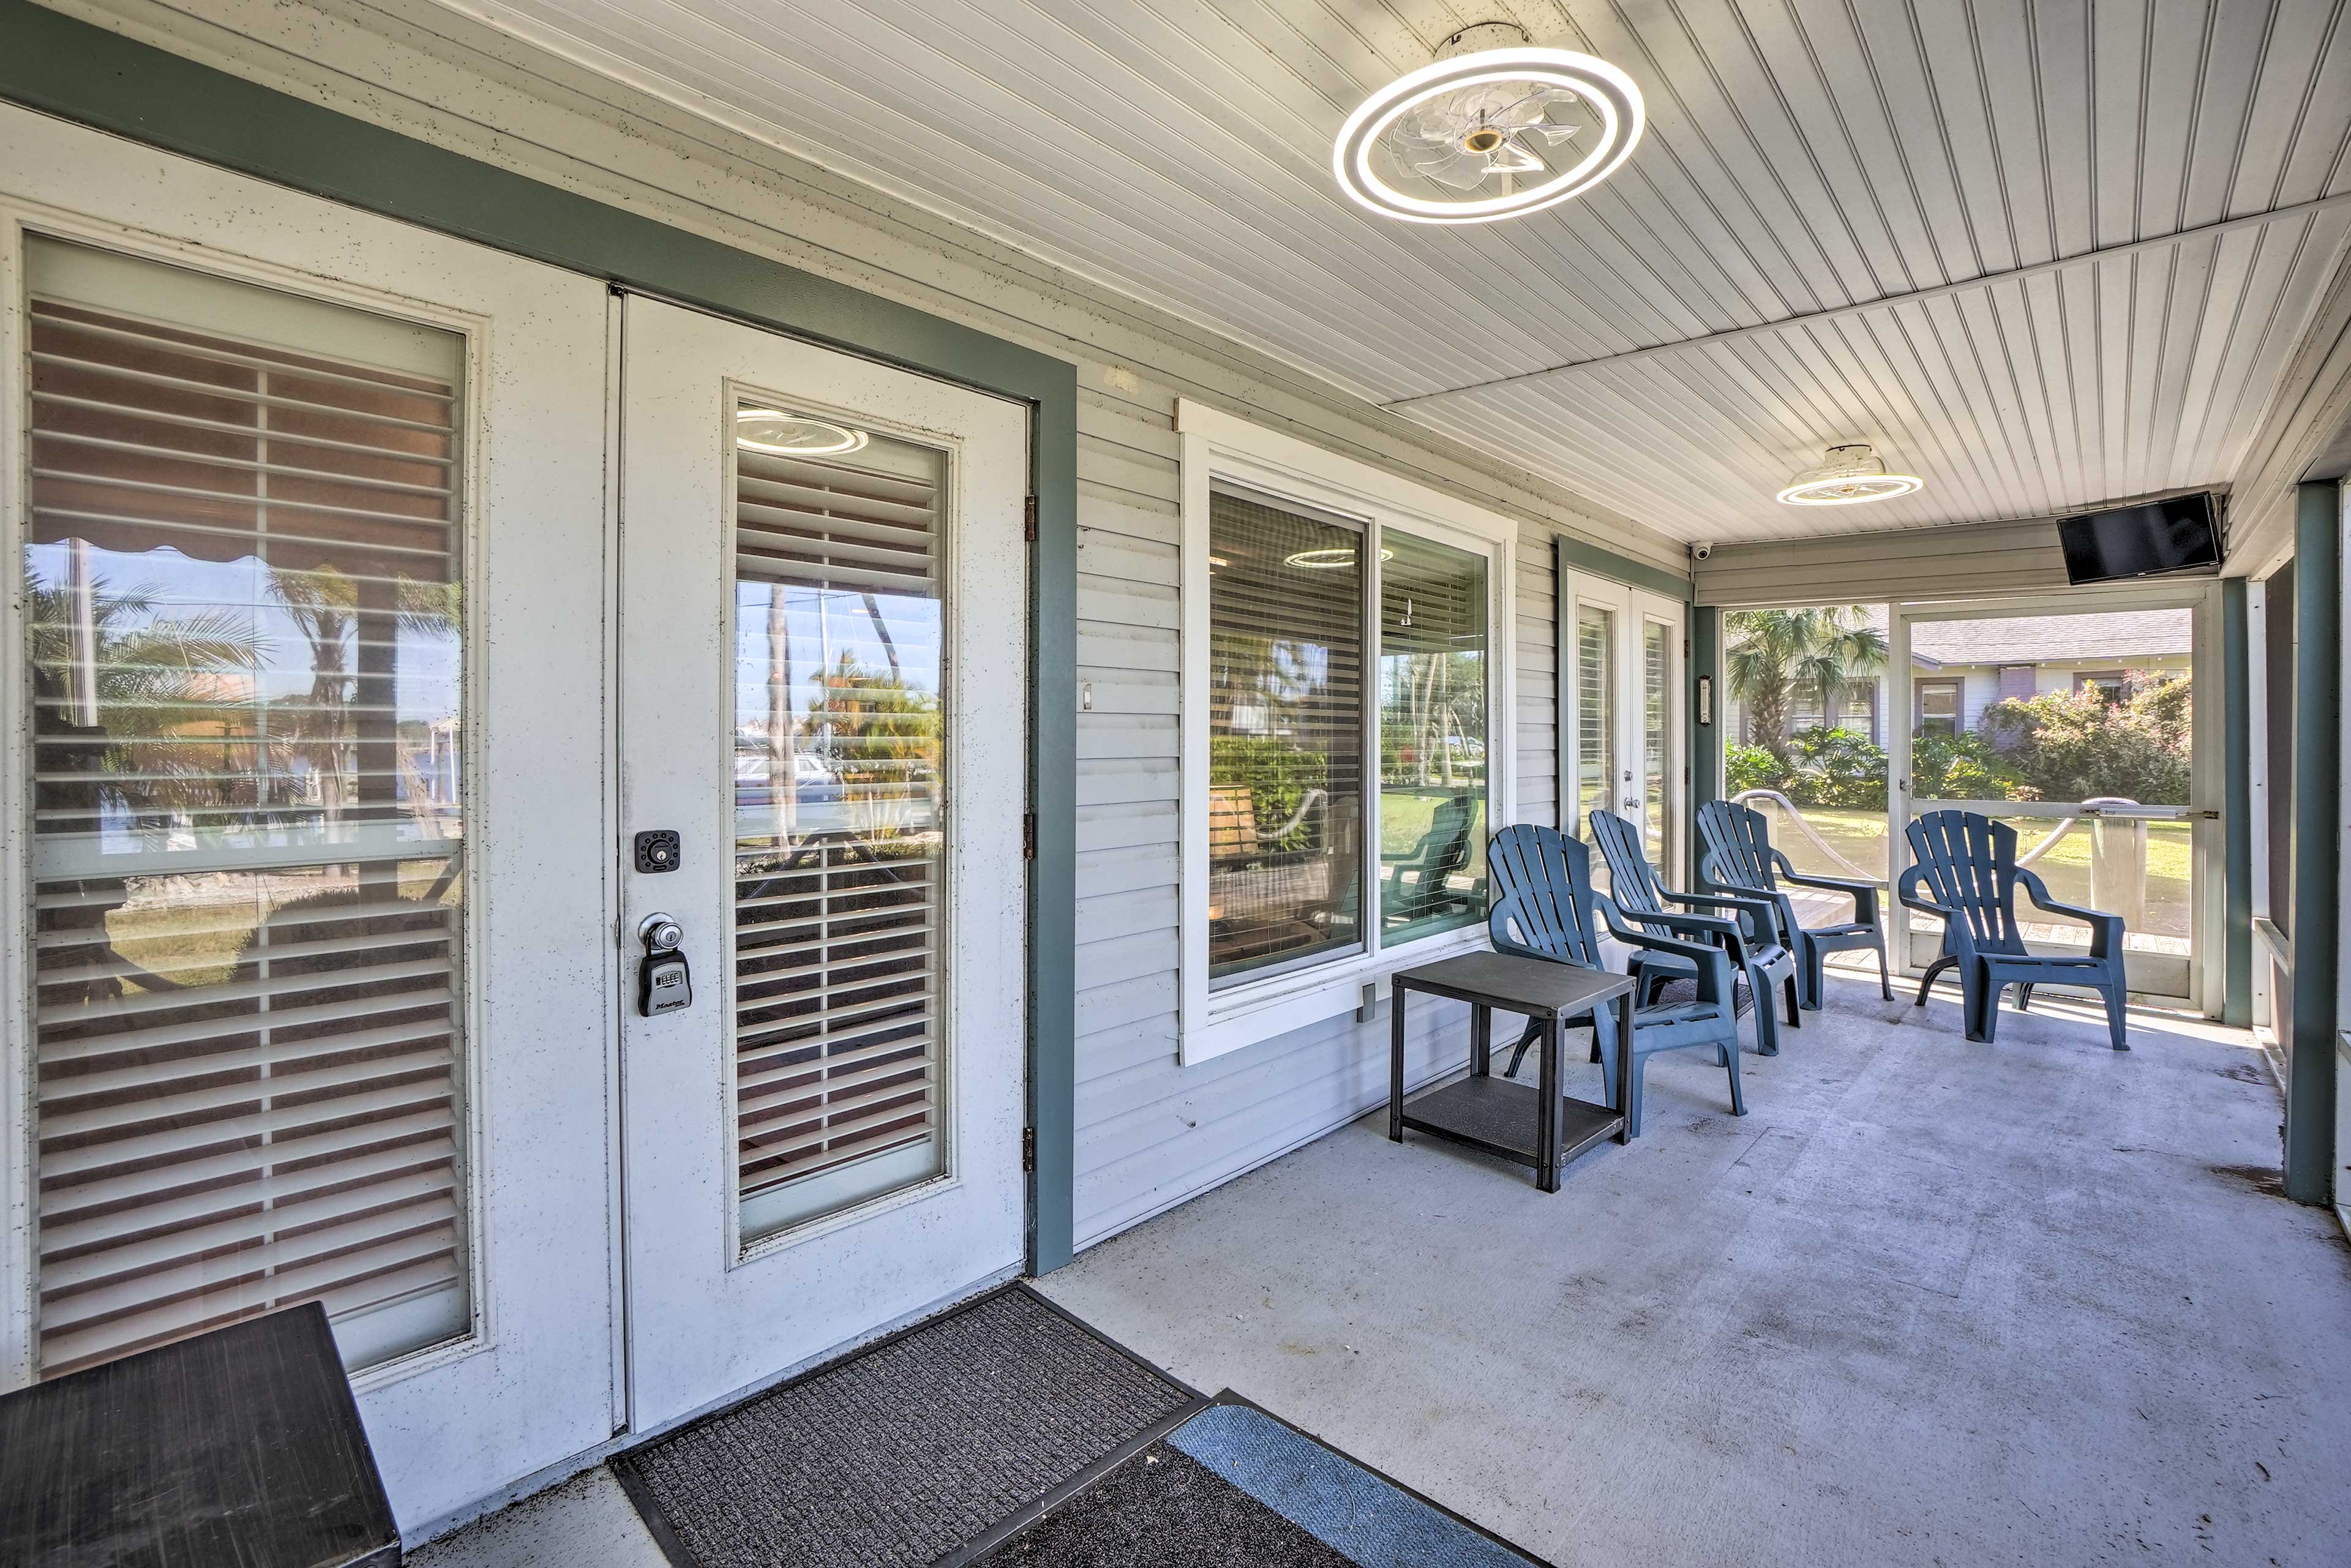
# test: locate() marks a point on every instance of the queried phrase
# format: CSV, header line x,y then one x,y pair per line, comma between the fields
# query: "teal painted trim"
x,y
1705,750
2236,805
2317,782
1574,554
98,79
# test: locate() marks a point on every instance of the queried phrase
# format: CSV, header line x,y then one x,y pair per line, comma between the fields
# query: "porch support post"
x,y
2236,806
2317,781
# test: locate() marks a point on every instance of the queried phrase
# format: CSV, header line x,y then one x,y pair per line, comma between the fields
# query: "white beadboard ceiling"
x,y
2043,254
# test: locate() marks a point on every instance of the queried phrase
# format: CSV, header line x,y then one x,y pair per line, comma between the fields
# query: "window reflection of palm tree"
x,y
164,693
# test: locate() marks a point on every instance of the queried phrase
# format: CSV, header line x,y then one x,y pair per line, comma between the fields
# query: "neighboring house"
x,y
1959,668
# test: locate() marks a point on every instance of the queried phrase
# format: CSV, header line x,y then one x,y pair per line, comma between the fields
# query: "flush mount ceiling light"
x,y
793,435
1846,476
1493,128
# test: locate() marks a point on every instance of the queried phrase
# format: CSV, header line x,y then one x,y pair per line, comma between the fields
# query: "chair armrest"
x,y
1712,963
1907,890
1761,918
2106,930
1864,894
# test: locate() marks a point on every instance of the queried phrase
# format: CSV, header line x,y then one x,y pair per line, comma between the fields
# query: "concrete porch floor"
x,y
1929,1303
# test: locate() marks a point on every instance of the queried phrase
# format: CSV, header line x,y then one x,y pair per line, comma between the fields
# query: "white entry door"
x,y
303,723
1620,709
823,757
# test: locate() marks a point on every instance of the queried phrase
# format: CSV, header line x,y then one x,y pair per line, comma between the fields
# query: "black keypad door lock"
x,y
664,983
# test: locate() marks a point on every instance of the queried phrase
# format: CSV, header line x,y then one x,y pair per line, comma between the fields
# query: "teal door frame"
x,y
98,79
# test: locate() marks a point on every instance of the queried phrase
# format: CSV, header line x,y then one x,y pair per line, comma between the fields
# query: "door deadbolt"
x,y
664,983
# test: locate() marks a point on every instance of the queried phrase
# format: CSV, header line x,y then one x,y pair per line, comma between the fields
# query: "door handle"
x,y
665,983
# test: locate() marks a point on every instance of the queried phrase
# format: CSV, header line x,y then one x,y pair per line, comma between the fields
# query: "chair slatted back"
x,y
1632,879
1542,896
1968,863
1738,841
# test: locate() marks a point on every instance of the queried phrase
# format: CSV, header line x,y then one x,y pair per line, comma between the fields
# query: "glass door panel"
x,y
242,575
838,838
2077,731
1597,709
1660,682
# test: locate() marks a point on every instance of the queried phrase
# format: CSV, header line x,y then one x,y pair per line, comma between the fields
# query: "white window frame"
x,y
1216,445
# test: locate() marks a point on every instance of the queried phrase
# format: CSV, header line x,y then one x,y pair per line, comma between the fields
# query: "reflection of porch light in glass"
x,y
794,435
1328,559
1847,476
1219,561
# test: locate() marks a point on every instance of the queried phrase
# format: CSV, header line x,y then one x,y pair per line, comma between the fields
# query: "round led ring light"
x,y
1849,475
794,435
1609,92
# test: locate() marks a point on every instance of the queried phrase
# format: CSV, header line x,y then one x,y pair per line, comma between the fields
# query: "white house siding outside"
x,y
1150,1133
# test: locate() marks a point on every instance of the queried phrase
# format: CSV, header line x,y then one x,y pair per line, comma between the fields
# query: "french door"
x,y
1620,712
304,727
823,757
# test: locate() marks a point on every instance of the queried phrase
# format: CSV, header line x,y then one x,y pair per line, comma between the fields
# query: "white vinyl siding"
x,y
248,948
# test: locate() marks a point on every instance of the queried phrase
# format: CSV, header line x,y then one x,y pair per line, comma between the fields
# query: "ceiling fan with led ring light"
x,y
1493,128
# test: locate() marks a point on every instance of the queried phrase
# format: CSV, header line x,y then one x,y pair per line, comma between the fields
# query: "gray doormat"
x,y
1234,1484
925,1448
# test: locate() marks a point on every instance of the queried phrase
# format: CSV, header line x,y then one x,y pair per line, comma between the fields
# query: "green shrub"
x,y
1750,768
1962,767
2077,745
1838,767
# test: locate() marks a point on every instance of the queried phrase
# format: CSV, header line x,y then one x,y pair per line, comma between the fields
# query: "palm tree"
x,y
1774,654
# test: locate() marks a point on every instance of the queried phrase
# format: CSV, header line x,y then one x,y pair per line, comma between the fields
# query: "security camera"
x,y
1700,552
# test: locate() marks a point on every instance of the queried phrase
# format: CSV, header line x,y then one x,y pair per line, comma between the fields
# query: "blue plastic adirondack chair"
x,y
1739,857
1749,932
1545,906
1966,868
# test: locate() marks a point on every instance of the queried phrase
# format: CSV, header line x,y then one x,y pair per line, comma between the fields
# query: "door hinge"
x,y
1029,836
1028,1148
1028,519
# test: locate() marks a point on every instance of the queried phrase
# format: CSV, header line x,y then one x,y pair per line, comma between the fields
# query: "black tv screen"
x,y
2177,535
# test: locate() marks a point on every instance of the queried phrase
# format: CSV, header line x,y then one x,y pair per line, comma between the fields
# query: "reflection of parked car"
x,y
813,784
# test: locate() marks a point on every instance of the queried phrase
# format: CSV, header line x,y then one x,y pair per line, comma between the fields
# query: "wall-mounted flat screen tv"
x,y
2181,534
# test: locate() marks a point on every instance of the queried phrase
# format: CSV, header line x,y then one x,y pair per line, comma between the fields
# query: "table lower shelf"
x,y
1498,1115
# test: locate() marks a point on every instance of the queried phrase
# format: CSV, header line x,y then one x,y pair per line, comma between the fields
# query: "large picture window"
x,y
1341,692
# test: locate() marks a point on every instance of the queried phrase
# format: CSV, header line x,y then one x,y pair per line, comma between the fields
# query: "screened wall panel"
x,y
243,583
838,815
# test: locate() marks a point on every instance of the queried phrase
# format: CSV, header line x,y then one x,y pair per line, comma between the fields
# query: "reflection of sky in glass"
x,y
180,588
822,625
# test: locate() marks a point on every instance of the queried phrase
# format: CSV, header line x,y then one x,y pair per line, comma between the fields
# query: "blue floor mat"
x,y
1358,1514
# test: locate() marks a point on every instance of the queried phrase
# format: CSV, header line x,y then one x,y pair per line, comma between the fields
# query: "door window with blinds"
x,y
839,821
241,571
1312,854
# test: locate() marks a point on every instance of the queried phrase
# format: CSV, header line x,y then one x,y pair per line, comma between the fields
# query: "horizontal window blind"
x,y
248,955
1286,722
839,841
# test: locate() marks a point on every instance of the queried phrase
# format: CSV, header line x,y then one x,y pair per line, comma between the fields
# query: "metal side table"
x,y
1532,1125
